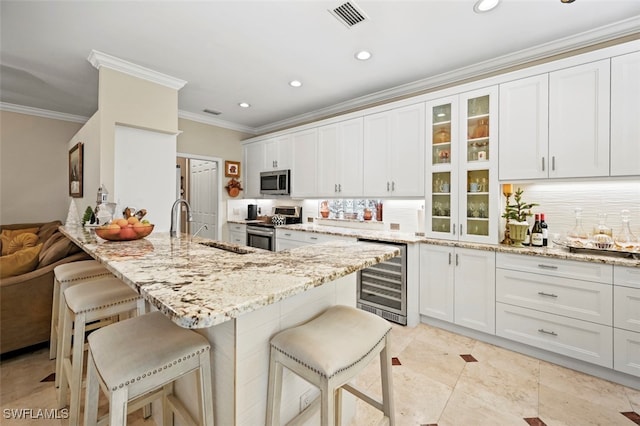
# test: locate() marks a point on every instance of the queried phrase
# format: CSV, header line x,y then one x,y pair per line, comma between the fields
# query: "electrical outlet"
x,y
394,227
305,399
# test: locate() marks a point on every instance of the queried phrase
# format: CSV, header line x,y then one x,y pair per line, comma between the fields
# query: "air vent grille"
x,y
349,14
212,112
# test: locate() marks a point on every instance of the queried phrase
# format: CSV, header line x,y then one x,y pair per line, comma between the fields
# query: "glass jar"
x,y
577,235
601,227
625,240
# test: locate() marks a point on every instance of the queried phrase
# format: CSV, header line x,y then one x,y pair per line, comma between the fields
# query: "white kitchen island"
x,y
238,297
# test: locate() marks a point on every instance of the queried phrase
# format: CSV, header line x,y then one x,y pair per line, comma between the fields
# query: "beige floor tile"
x,y
598,392
634,397
440,366
466,409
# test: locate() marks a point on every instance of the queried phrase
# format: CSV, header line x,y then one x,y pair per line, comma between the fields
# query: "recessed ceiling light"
x,y
363,55
567,1
485,5
295,83
244,105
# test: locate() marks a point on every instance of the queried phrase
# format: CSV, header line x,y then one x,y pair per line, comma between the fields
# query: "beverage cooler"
x,y
382,288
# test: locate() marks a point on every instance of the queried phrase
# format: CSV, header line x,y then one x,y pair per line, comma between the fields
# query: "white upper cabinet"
x,y
556,125
254,154
278,153
305,164
524,128
625,115
579,121
394,152
340,159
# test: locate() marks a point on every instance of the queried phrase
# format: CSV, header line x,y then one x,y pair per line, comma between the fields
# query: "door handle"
x,y
449,258
335,187
543,266
388,185
543,164
339,187
552,333
542,293
393,186
453,228
456,259
553,163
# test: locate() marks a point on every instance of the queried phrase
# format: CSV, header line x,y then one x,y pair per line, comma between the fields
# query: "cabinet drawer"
x,y
286,234
234,227
627,276
567,336
587,271
562,296
627,312
626,351
238,238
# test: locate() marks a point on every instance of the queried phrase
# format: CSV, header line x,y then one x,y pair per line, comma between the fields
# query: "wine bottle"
x,y
527,238
545,231
536,232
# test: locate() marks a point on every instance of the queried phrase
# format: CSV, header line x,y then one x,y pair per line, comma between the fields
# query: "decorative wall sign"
x,y
75,170
232,169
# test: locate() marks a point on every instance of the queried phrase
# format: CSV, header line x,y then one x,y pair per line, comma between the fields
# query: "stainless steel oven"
x,y
261,236
382,288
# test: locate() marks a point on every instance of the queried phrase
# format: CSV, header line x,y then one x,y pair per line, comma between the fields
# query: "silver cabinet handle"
x,y
313,238
393,186
552,333
456,259
339,187
388,185
460,229
453,229
543,164
542,293
335,187
287,235
553,163
449,258
543,266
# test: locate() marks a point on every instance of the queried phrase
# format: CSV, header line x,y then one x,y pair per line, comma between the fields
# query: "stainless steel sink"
x,y
232,248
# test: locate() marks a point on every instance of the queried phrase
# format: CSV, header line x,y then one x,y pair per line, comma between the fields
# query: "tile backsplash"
x,y
558,201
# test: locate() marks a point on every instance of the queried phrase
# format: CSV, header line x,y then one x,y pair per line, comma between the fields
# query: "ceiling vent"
x,y
349,14
212,112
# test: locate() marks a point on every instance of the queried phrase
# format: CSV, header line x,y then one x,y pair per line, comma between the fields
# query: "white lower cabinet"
x,y
578,339
238,234
458,285
558,305
626,320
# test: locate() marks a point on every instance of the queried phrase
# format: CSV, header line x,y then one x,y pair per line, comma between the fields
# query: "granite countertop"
x,y
199,286
410,238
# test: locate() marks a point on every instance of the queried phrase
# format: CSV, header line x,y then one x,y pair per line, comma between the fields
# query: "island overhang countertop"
x,y
200,286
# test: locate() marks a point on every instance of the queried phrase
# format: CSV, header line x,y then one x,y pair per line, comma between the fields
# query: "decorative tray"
x,y
590,247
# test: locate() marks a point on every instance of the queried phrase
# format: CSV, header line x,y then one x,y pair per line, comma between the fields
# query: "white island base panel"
x,y
240,360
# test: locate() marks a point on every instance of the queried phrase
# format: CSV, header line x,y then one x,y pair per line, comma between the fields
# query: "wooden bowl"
x,y
128,233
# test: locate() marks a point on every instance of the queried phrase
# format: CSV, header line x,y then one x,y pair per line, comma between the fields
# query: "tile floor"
x,y
440,379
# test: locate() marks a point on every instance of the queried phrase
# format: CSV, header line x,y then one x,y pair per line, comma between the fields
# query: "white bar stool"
x,y
65,276
91,301
328,352
136,361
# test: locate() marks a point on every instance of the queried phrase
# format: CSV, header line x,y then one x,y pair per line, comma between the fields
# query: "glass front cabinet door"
x,y
462,177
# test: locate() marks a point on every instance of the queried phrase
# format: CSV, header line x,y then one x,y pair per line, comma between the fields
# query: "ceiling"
x,y
248,51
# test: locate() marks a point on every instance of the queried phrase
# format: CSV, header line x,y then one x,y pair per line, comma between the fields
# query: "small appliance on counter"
x,y
263,234
252,212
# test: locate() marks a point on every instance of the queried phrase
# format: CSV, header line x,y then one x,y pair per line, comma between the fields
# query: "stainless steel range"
x,y
262,234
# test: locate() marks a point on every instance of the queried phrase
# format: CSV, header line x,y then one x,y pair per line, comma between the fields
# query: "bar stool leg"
x,y
92,393
206,390
327,410
55,322
118,407
387,381
274,392
76,368
64,352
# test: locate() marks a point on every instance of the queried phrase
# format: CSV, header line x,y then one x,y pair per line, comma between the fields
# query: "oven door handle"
x,y
259,232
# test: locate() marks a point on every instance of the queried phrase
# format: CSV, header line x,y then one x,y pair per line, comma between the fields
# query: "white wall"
x,y
151,188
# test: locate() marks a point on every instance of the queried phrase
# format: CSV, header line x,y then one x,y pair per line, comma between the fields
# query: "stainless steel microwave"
x,y
275,182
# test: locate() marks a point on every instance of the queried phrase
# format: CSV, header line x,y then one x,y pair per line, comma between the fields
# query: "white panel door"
x,y
145,173
304,168
524,128
203,194
406,151
436,281
579,121
475,289
625,113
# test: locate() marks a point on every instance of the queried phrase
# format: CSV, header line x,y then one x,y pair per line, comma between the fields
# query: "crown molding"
x,y
565,45
100,59
4,106
215,122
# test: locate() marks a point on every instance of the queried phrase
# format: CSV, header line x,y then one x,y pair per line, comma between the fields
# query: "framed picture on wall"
x,y
232,169
75,170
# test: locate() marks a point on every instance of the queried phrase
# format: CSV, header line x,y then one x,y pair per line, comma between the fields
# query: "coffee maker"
x,y
252,212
